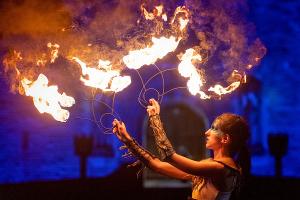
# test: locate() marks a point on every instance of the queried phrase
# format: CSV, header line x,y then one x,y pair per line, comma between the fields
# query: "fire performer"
x,y
219,177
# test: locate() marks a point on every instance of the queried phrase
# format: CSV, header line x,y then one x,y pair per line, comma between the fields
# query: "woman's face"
x,y
214,136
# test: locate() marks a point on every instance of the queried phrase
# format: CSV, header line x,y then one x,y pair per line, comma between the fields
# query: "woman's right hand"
x,y
153,108
119,129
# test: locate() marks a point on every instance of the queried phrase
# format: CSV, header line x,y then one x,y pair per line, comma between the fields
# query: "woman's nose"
x,y
207,133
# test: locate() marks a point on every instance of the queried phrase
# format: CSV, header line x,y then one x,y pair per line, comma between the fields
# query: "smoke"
x,y
108,29
88,29
226,39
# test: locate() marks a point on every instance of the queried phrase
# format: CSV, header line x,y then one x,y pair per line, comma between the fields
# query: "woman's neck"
x,y
221,153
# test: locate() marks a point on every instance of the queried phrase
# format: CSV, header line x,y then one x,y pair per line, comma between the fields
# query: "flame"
x,y
183,17
164,17
54,51
235,75
103,78
149,55
157,12
160,46
47,99
188,70
43,60
220,90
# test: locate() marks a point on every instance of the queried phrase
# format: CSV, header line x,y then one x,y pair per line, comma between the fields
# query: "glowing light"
x,y
220,90
157,12
149,55
104,77
54,51
188,70
47,99
183,23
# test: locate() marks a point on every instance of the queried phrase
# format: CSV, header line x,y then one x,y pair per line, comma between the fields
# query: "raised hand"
x,y
119,129
153,108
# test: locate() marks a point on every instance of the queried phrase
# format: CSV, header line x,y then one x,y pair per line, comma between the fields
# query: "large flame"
x,y
188,70
104,77
147,56
160,46
47,99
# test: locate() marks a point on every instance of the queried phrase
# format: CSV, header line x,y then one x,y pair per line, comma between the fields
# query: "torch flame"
x,y
220,90
103,78
149,55
47,99
188,70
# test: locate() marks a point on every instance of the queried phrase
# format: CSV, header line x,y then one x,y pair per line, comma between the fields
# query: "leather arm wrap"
x,y
164,146
139,152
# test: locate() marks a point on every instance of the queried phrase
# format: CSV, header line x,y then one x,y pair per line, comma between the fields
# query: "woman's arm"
x,y
197,168
145,156
169,170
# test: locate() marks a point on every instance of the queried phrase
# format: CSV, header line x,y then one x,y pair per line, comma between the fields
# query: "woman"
x,y
214,178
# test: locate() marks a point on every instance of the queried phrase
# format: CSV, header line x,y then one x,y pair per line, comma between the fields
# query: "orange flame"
x,y
183,20
157,12
188,70
160,46
54,51
149,55
47,99
103,78
220,90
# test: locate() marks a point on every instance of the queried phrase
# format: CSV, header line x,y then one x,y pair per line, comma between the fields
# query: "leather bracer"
x,y
164,146
139,152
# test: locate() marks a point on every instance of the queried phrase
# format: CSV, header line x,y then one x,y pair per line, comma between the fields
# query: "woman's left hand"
x,y
119,129
153,108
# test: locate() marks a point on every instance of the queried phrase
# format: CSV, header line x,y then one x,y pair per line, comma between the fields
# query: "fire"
x,y
104,77
188,70
54,51
220,90
160,46
47,99
147,56
183,17
157,12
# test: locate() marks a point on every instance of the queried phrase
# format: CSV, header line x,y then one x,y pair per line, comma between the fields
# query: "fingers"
x,y
152,101
155,103
116,125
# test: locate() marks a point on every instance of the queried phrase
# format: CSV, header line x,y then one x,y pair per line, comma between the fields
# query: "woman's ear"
x,y
225,139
